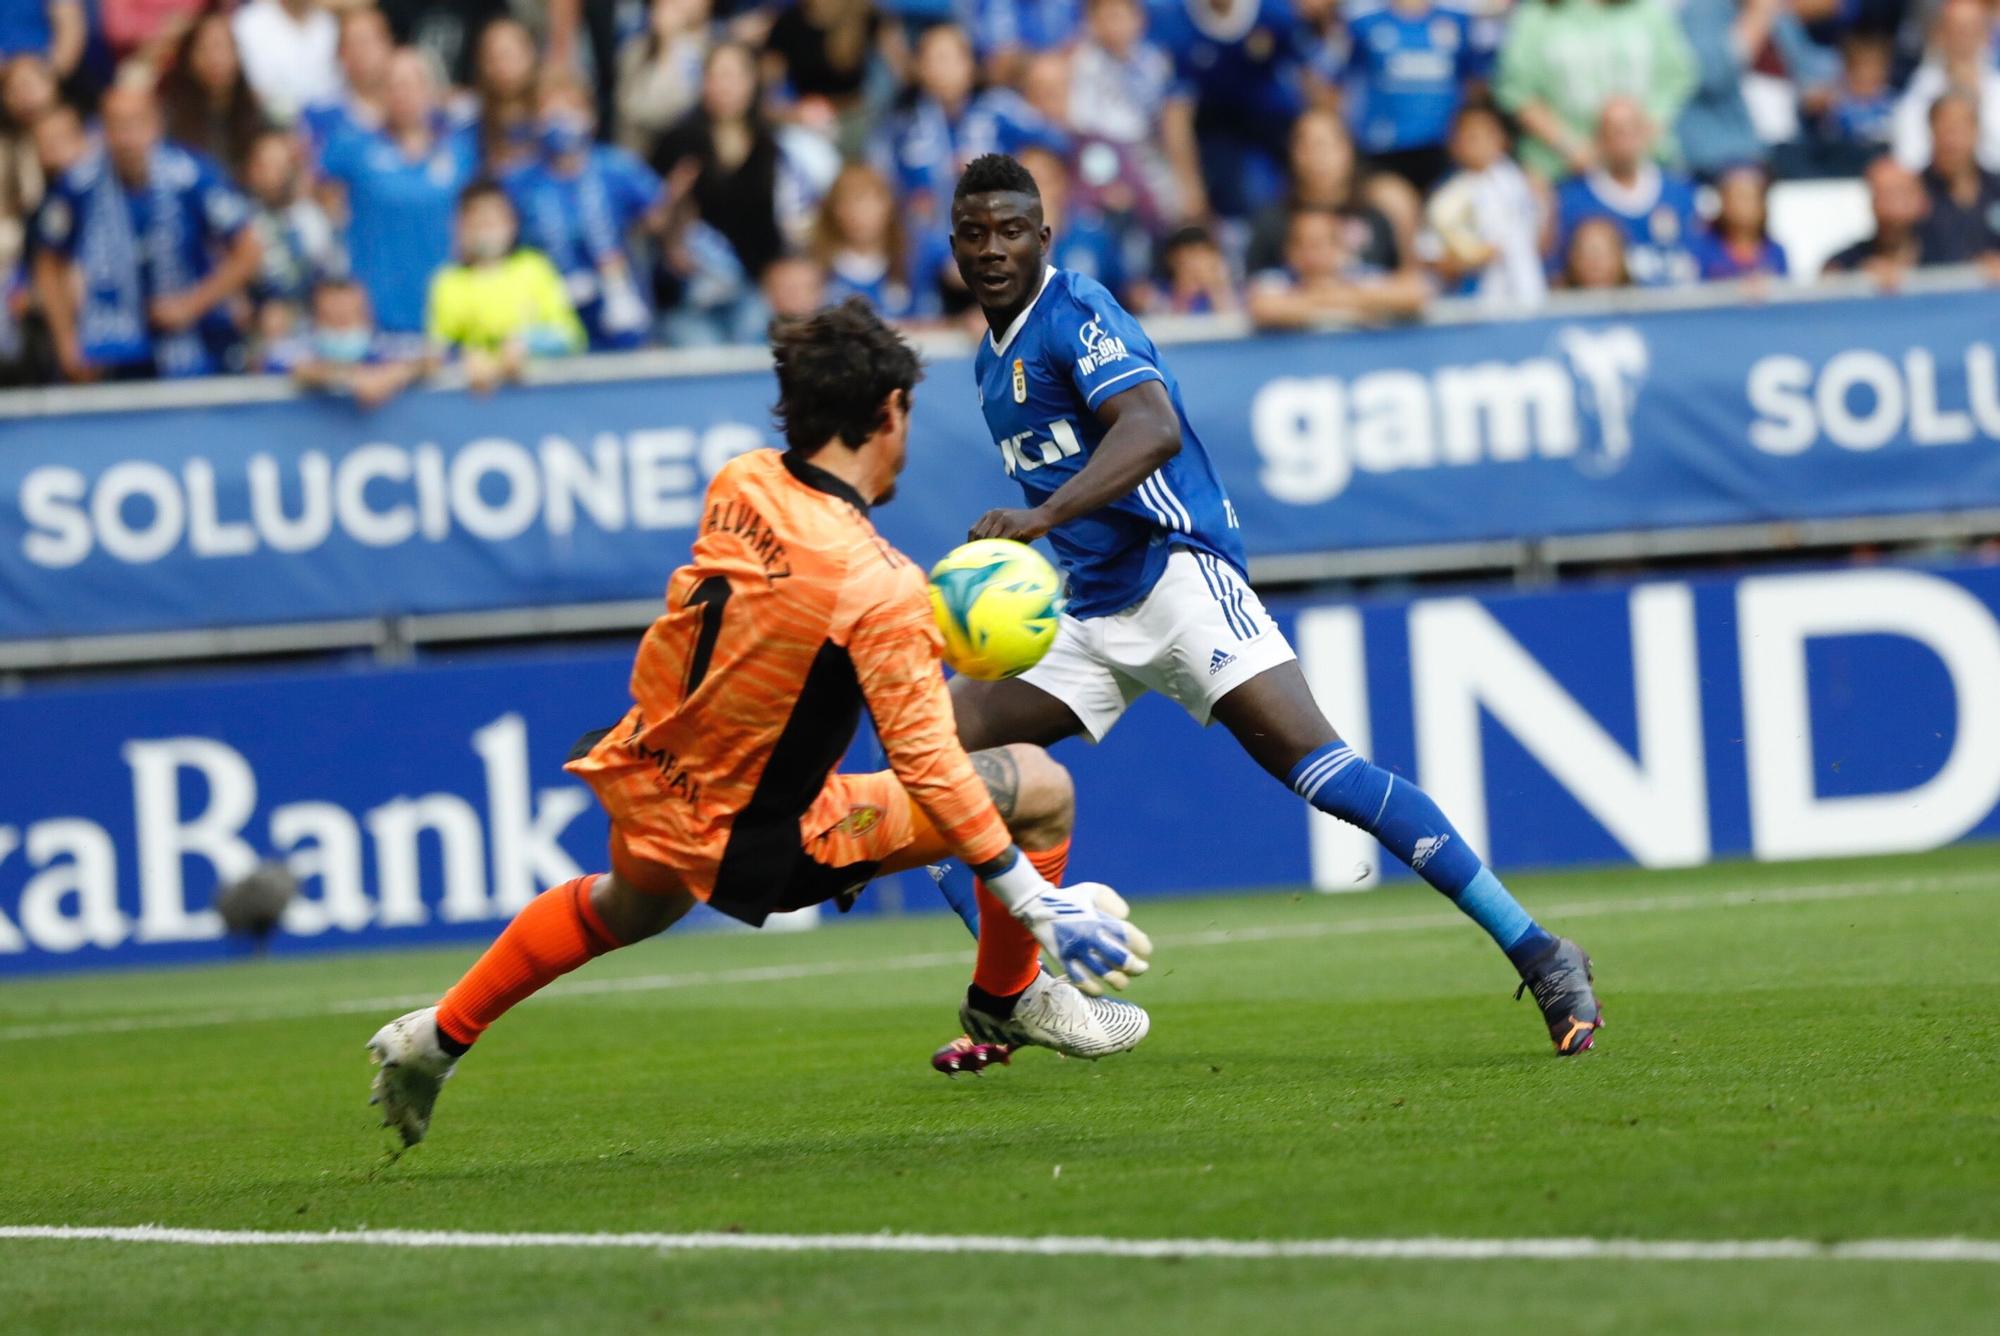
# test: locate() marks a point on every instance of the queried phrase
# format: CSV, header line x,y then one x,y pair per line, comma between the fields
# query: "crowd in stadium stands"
x,y
356,192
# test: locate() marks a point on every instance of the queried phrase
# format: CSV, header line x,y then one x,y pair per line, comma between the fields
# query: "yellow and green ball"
x,y
997,603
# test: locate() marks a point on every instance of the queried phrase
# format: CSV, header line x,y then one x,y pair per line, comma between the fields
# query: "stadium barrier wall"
x,y
1783,715
294,510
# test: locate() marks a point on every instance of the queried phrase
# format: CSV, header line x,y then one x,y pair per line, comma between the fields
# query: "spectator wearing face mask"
x,y
140,249
343,352
499,305
580,206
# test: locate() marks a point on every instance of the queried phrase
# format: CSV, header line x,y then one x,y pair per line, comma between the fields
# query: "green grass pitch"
x,y
1804,1051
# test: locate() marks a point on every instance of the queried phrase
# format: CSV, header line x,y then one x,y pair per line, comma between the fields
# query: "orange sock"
x,y
557,932
1009,957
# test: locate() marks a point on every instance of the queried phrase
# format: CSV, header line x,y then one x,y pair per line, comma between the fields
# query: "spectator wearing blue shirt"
x,y
1006,32
1653,206
365,48
343,352
948,122
1409,65
141,246
580,206
1738,244
402,184
55,30
1862,107
1242,71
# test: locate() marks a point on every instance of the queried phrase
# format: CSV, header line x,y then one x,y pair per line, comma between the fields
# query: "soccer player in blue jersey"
x,y
1090,423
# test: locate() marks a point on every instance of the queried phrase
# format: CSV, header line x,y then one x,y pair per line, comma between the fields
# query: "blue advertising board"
x,y
443,501
1665,723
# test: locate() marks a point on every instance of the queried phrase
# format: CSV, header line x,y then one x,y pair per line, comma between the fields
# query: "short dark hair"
x,y
1190,234
835,367
483,188
996,172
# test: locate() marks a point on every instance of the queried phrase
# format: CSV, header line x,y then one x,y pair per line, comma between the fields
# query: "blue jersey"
x,y
1246,69
399,216
922,149
1407,73
581,221
1038,25
1657,217
133,244
1040,387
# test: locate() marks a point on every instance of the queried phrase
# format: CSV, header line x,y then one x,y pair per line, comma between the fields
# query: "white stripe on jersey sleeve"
x,y
1090,400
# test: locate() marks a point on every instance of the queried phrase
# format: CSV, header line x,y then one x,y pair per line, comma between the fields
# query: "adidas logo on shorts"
x,y
1218,661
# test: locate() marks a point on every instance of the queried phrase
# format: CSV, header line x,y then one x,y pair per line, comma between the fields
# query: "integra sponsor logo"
x,y
1099,349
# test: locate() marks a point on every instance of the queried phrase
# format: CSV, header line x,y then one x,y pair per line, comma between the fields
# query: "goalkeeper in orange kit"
x,y
792,615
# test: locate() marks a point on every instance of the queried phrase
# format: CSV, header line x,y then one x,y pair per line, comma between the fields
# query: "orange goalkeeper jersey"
x,y
792,614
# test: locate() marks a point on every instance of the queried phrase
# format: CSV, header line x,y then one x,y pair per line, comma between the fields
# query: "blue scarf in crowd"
x,y
122,271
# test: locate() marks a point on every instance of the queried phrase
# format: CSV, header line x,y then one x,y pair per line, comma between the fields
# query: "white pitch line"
x,y
1678,902
1063,1245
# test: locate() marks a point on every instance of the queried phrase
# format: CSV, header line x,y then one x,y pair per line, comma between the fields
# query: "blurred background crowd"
x,y
352,192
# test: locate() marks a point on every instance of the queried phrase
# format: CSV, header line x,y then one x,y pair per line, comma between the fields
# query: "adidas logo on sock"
x,y
1218,661
1425,848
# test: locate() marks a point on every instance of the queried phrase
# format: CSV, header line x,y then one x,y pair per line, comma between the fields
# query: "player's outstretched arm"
x,y
1142,432
895,660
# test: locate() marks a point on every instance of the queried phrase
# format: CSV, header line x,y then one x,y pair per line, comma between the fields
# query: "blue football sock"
x,y
960,889
1335,779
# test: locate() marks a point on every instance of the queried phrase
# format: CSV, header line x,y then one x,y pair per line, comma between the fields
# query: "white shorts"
x,y
1199,635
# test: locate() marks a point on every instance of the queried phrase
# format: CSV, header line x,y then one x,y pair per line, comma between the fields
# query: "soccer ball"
x,y
997,603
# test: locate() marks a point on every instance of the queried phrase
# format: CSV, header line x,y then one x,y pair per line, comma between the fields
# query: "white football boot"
x,y
411,1067
1055,1013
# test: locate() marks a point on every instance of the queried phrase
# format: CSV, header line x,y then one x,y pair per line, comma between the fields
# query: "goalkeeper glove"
x,y
1084,928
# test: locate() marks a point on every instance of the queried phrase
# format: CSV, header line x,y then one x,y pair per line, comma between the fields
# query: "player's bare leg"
x,y
561,929
993,714
1277,721
1011,1000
